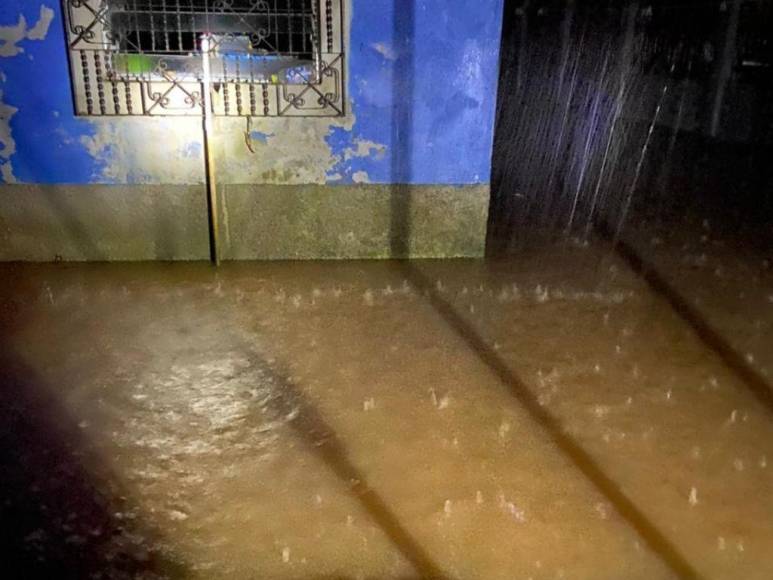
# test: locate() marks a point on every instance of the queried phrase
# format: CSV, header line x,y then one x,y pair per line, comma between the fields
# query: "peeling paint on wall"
x,y
360,177
287,151
384,50
364,148
284,151
150,150
7,144
40,30
353,148
293,151
11,36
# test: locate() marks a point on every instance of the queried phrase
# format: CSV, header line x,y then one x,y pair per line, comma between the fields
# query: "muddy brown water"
x,y
541,417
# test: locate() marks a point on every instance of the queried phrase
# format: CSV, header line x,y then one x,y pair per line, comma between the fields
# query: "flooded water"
x,y
545,416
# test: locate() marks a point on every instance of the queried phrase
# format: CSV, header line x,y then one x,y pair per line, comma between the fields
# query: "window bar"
x,y
341,60
265,99
180,46
100,79
274,16
87,83
136,15
329,23
340,29
253,97
116,98
315,36
152,26
305,29
224,85
128,89
166,25
211,46
238,88
289,17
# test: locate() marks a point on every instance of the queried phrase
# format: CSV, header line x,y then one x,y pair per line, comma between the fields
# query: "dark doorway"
x,y
615,111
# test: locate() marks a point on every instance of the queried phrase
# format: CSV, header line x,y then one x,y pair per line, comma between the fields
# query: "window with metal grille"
x,y
265,57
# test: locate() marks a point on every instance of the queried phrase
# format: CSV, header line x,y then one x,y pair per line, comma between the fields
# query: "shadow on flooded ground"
x,y
322,439
708,335
580,458
62,513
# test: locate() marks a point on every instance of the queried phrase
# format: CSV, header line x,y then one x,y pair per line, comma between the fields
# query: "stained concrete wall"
x,y
103,222
168,222
420,84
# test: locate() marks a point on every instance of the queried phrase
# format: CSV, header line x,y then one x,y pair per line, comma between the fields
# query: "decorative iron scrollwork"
x,y
268,57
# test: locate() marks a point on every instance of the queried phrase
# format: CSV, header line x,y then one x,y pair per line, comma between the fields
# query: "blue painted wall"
x,y
35,81
422,80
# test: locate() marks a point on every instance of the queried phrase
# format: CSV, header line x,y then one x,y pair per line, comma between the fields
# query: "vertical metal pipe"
x,y
209,161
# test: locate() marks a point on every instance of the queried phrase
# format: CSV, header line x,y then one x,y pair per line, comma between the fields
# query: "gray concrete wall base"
x,y
169,222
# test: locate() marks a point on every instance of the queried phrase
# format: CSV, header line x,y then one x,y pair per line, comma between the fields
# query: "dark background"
x,y
609,110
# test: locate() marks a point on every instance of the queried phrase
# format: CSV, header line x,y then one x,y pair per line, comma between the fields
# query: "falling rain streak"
x,y
594,102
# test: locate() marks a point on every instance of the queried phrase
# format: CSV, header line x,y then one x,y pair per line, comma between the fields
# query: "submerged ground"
x,y
548,415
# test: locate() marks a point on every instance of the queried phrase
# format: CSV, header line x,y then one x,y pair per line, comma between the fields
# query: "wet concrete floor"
x,y
547,416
